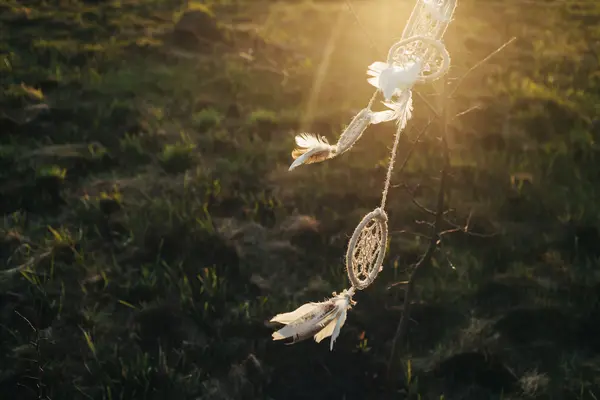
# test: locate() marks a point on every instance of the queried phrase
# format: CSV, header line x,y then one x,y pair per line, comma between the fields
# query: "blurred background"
x,y
150,228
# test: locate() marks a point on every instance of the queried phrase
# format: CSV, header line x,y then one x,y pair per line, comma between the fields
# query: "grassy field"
x,y
150,228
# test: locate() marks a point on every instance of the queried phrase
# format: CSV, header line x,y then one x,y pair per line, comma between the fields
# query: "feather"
x,y
338,326
326,332
317,329
320,320
374,81
311,149
405,108
286,318
312,156
306,325
400,110
382,116
308,140
411,72
391,78
333,328
376,68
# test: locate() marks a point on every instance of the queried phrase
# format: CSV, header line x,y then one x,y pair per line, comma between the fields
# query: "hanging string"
x,y
370,105
388,178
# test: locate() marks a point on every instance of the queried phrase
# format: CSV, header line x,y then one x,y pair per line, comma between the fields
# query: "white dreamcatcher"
x,y
419,57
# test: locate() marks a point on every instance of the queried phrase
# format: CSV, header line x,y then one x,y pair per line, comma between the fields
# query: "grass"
x,y
150,227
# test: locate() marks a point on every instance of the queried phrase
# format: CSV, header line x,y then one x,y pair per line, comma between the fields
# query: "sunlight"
x,y
322,71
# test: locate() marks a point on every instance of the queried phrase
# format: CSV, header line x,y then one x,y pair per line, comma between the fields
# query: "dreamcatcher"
x,y
419,57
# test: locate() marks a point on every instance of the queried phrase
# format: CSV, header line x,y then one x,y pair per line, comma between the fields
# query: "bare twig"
x,y
412,148
468,110
392,285
422,207
425,260
479,64
418,204
428,104
465,229
407,232
421,222
362,28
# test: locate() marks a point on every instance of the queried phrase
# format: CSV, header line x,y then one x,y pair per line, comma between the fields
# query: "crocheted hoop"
x,y
366,249
431,53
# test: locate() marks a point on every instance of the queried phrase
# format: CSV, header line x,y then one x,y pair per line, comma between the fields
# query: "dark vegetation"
x,y
150,227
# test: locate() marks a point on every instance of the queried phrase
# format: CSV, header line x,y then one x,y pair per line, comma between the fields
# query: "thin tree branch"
x,y
425,260
392,285
428,104
420,206
436,227
468,110
421,222
412,148
465,229
479,64
407,232
365,32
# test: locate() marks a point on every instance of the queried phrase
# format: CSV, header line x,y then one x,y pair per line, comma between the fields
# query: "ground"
x,y
151,229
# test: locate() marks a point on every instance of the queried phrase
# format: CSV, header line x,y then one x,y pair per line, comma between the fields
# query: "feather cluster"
x,y
311,149
319,320
399,110
392,79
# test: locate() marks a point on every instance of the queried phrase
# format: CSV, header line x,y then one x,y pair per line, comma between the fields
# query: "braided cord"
x,y
388,178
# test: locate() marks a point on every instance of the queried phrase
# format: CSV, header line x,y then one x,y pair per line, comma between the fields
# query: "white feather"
x,y
309,146
307,323
301,331
374,81
392,78
291,316
338,326
320,320
326,332
376,68
308,140
304,157
405,108
382,116
412,71
400,110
